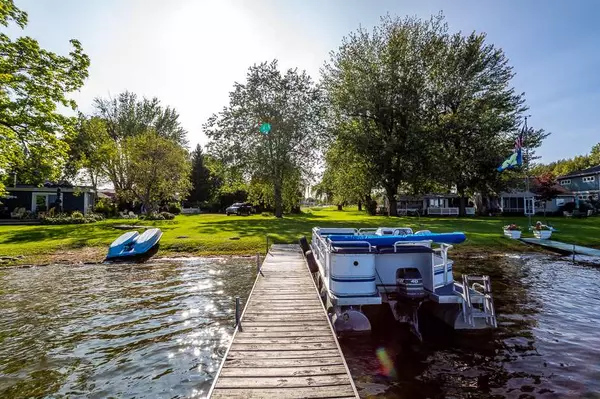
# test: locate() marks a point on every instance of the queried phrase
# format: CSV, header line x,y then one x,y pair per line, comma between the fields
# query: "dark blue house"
x,y
39,199
585,184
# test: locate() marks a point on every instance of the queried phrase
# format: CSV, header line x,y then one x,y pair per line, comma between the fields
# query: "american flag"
x,y
519,140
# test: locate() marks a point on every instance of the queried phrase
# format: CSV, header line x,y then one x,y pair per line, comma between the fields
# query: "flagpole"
x,y
526,161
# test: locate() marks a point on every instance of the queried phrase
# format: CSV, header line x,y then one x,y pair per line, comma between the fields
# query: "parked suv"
x,y
240,208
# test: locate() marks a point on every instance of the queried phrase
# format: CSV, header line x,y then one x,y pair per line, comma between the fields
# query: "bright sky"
x,y
188,53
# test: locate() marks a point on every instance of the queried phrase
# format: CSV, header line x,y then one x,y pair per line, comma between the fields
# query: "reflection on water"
x,y
547,343
160,330
148,330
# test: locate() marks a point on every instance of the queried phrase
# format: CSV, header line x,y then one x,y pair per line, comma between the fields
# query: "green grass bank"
x,y
214,234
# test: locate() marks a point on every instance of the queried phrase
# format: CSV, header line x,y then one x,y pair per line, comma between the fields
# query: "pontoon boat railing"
x,y
423,243
443,253
350,243
320,242
366,229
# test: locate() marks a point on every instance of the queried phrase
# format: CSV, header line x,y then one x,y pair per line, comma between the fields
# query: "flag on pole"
x,y
516,158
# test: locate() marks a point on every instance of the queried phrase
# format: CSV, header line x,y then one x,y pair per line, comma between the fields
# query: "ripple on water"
x,y
151,330
547,343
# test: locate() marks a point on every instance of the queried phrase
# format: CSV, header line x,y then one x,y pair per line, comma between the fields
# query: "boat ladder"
x,y
478,287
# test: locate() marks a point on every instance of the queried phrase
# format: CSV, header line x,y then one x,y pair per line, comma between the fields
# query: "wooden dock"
x,y
562,247
286,347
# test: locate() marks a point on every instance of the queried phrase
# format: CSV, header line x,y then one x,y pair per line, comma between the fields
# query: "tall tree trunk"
x,y
278,200
462,202
359,205
371,205
340,207
392,203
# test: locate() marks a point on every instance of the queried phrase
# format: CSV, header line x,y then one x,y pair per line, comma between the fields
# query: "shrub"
x,y
63,218
106,207
154,216
167,215
174,208
96,216
568,207
585,206
77,215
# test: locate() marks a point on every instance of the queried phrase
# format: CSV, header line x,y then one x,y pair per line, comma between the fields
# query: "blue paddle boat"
x,y
133,245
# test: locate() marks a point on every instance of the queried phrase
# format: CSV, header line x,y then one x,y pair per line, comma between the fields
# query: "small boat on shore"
x,y
133,245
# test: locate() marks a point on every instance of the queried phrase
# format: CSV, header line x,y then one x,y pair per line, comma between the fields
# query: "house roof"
x,y
534,184
584,172
46,189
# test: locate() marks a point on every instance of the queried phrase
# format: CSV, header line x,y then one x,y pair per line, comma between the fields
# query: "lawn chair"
x,y
17,213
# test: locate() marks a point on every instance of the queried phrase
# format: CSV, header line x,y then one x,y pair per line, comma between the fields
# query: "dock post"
x,y
237,313
258,268
573,253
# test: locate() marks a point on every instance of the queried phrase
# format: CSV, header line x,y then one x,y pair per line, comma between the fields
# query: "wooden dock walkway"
x,y
286,347
562,247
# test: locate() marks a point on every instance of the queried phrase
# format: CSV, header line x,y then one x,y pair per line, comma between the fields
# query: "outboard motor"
x,y
409,284
410,293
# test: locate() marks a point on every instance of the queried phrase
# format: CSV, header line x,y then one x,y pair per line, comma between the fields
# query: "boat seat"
x,y
352,250
404,249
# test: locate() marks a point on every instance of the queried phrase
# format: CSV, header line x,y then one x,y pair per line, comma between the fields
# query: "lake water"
x,y
160,330
154,330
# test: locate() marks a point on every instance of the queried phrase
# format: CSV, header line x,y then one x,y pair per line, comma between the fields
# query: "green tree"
x,y
291,103
158,169
33,83
477,113
90,147
378,81
347,177
201,179
595,155
127,117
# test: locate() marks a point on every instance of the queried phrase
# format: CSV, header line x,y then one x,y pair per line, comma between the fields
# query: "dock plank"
x,y
285,347
340,392
302,354
283,382
279,362
291,371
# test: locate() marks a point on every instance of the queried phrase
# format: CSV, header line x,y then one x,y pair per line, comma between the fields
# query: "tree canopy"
x,y
33,83
128,116
202,181
158,169
421,106
569,165
291,104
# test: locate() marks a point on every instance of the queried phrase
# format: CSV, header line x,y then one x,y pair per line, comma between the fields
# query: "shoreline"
x,y
96,255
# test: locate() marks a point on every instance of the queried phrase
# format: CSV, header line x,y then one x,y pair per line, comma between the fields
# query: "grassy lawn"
x,y
211,234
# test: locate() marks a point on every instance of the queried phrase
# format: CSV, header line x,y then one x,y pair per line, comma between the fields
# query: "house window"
x,y
589,179
565,182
